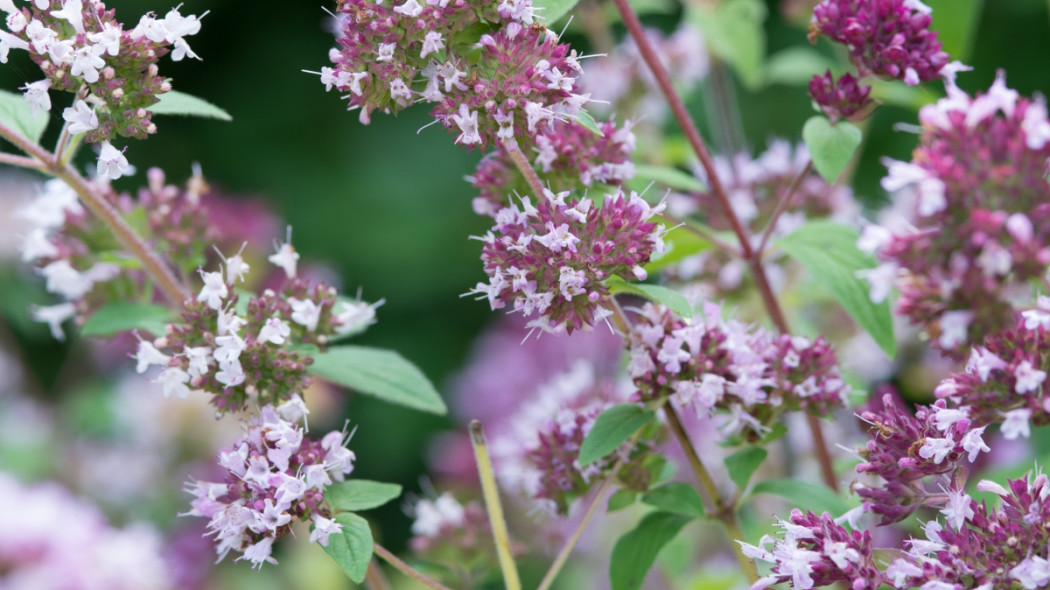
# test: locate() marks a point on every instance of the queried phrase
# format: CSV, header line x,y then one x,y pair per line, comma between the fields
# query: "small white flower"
x,y
72,12
323,528
433,42
174,380
65,280
198,357
111,162
305,313
958,510
1028,377
81,117
275,331
1015,424
409,8
214,289
87,61
147,355
36,96
36,245
108,38
467,120
355,317
53,316
286,258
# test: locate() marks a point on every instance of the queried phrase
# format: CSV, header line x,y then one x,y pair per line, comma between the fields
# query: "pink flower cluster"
x,y
552,259
884,37
569,156
716,364
983,209
839,99
81,48
907,448
817,551
275,477
506,84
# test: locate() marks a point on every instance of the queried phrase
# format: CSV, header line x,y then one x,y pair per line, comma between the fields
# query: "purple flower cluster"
x,y
570,157
456,536
506,84
907,448
717,364
983,205
817,551
551,259
982,547
839,99
81,48
884,37
275,477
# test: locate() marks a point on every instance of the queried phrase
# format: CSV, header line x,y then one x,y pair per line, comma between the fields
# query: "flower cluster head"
x,y
885,37
817,551
551,259
1005,378
241,353
451,534
51,540
714,364
983,547
983,216
839,99
275,476
81,48
492,74
755,185
917,455
568,156
538,453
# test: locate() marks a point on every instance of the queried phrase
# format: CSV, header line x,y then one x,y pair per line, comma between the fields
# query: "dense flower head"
x,y
714,364
51,540
454,535
983,216
983,547
504,79
816,551
839,99
906,449
569,157
538,454
1005,378
81,48
275,476
884,37
551,259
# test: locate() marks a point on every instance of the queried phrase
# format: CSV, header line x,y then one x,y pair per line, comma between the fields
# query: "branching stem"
x,y
406,569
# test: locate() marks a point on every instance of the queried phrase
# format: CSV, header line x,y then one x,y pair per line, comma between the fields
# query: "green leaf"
x,y
381,373
735,33
679,243
636,550
611,429
743,464
360,494
352,547
549,11
584,118
174,102
121,317
674,300
670,177
830,146
829,251
14,112
678,498
956,25
621,499
804,495
796,66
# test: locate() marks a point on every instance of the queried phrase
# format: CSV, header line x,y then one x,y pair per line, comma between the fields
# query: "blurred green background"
x,y
388,208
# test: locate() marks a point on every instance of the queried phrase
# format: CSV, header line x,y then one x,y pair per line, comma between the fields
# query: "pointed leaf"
x,y
549,11
829,251
381,373
360,494
174,102
584,118
735,33
352,547
678,498
679,243
830,146
636,551
674,300
611,429
804,495
122,317
15,113
621,499
743,463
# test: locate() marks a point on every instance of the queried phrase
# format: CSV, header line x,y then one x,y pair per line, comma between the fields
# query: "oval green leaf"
x,y
360,494
380,373
677,498
804,495
621,499
829,251
174,102
14,112
352,547
743,464
122,317
611,429
674,300
636,551
831,147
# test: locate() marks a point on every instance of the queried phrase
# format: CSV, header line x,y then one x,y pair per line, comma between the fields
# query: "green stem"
x,y
406,569
495,510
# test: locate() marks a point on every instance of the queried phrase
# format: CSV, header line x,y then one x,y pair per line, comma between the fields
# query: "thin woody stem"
x,y
406,569
101,208
782,206
21,162
535,184
703,233
375,579
747,252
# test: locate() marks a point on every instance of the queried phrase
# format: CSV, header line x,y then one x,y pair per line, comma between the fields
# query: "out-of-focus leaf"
x,y
122,317
830,146
636,550
15,113
380,373
174,102
612,428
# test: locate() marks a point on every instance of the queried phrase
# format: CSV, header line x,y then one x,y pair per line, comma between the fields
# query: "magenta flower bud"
x,y
839,99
